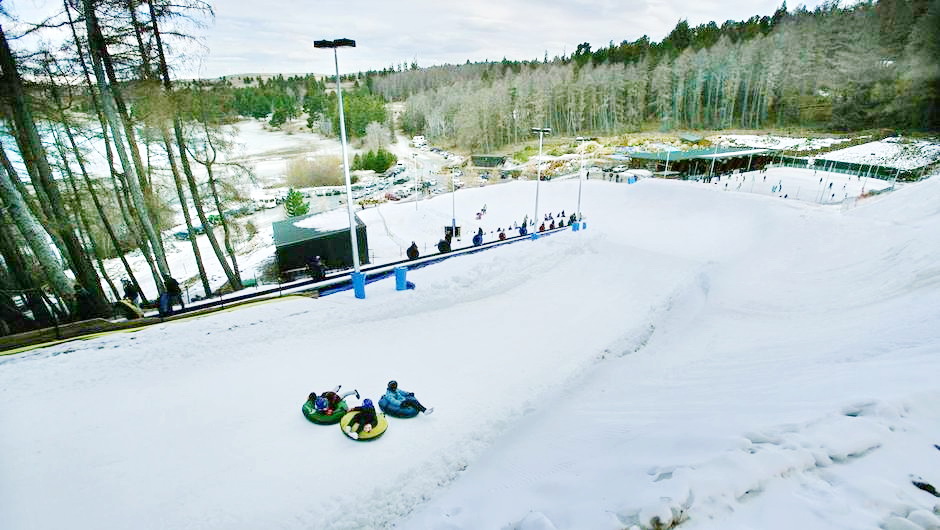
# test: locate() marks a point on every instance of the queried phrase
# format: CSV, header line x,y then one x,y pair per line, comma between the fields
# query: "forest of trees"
x,y
872,65
109,86
101,148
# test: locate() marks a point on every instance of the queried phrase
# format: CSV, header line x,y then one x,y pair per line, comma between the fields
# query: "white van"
x,y
419,141
266,202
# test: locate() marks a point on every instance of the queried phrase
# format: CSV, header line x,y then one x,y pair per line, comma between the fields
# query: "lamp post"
x,y
358,278
538,171
414,159
581,140
453,207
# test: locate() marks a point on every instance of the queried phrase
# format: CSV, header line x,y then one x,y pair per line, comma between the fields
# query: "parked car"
x,y
619,169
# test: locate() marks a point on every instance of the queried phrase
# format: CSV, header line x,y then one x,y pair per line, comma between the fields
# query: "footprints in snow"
x,y
714,487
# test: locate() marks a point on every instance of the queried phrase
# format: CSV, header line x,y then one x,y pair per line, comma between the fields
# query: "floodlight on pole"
x,y
581,140
414,158
358,278
538,172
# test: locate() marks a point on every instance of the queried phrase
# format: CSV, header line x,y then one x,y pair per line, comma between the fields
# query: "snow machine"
x,y
310,411
396,411
378,430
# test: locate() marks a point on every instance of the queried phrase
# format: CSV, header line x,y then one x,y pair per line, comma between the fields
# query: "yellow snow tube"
x,y
377,430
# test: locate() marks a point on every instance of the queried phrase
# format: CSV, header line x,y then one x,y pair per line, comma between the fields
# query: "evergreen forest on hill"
x,y
875,64
870,65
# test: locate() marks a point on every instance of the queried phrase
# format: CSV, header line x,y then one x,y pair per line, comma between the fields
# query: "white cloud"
x,y
278,35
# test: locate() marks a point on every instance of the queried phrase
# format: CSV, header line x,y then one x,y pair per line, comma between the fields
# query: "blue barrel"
x,y
576,226
401,280
359,284
583,225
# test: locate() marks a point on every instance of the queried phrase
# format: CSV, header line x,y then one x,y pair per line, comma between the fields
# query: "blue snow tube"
x,y
396,411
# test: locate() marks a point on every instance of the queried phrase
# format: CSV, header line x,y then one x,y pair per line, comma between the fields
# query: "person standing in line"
x,y
412,251
316,269
172,296
130,293
478,238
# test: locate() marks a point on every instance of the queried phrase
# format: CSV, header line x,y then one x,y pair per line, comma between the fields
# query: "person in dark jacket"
x,y
130,292
84,304
172,296
573,218
317,269
413,251
364,420
478,238
523,230
399,399
443,245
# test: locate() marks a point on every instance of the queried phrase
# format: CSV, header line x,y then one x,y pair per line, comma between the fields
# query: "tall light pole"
x,y
581,140
357,278
414,159
453,207
538,172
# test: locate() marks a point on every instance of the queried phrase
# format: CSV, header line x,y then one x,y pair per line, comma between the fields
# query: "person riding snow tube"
x,y
362,423
396,410
401,404
318,410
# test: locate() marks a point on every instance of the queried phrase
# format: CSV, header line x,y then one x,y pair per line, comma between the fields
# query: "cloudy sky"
x,y
248,36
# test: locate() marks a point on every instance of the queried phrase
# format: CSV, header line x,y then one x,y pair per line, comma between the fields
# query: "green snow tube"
x,y
310,411
378,430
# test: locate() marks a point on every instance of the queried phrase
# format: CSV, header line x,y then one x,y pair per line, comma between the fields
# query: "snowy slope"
x,y
728,359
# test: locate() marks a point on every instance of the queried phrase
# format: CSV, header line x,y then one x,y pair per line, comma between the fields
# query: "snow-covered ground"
x,y
900,153
770,141
897,152
729,360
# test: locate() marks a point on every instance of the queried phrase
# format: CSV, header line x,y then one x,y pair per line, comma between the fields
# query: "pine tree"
x,y
295,205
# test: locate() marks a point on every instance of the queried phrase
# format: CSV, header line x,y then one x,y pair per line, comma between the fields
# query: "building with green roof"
x,y
296,245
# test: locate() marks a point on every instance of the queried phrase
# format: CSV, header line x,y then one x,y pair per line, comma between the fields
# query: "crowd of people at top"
x,y
551,221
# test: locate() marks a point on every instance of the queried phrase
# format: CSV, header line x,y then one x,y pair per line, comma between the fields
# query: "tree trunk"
x,y
208,163
186,215
98,50
18,267
31,148
82,218
184,159
123,205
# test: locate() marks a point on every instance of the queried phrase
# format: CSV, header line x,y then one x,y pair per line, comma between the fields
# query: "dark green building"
x,y
296,246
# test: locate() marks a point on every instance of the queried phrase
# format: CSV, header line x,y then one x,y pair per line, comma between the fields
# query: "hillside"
x,y
721,359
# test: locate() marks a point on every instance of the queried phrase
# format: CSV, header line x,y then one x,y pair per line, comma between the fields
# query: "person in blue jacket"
x,y
399,399
478,238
